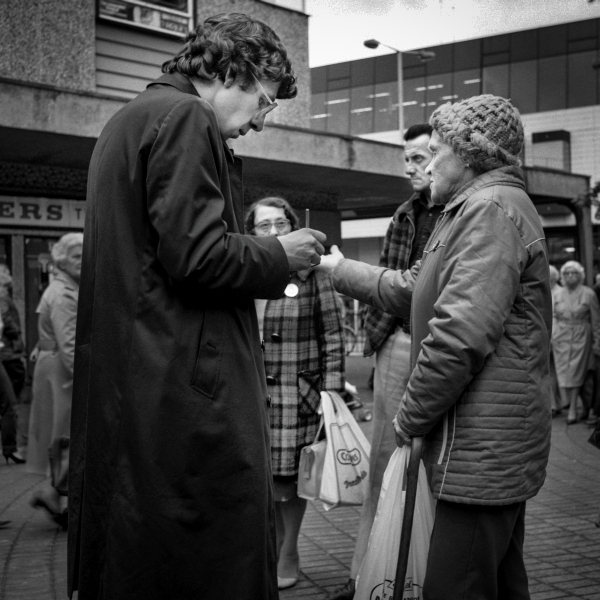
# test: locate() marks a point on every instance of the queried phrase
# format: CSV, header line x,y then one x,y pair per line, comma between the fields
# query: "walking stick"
x,y
412,477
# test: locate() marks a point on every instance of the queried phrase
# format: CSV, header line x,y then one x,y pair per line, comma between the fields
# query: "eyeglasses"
x,y
281,225
263,112
571,273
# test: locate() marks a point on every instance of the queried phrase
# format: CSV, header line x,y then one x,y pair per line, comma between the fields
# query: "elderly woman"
x,y
480,326
53,375
303,354
575,334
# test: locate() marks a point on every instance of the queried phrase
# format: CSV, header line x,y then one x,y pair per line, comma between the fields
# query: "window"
x,y
581,88
439,91
467,84
318,111
523,86
338,108
495,80
386,106
174,17
552,83
414,100
361,110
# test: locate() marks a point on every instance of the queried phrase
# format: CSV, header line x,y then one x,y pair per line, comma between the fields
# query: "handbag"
x,y
377,572
335,470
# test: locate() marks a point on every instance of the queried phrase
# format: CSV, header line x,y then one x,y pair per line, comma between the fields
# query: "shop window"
x,y
385,102
495,80
361,110
552,149
581,88
523,85
552,83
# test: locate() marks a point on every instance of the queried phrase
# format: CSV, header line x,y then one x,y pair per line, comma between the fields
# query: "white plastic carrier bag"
x,y
377,573
335,470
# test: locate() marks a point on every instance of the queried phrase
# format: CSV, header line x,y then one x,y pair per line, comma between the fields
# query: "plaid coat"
x,y
304,354
397,246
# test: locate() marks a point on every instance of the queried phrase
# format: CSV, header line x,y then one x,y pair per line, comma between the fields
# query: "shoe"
x,y
60,518
556,412
592,420
286,582
345,592
4,524
571,421
14,456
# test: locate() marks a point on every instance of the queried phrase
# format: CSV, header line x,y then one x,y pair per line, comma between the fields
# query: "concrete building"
x,y
552,76
66,67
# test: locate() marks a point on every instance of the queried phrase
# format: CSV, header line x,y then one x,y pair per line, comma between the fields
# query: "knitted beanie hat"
x,y
485,131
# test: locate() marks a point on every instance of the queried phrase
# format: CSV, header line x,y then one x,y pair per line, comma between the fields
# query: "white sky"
x,y
337,28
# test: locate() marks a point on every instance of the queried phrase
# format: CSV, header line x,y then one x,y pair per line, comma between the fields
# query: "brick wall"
x,y
584,126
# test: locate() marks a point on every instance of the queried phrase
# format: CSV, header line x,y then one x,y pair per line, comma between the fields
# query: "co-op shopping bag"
x,y
335,470
377,573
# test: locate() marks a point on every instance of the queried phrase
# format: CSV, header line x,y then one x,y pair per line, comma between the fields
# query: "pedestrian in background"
x,y
481,319
304,355
575,335
52,391
557,405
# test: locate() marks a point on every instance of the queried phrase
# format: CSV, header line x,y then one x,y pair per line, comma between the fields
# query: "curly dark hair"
x,y
237,46
270,201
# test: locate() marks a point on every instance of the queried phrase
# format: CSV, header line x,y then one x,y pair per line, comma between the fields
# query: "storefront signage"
x,y
168,16
41,212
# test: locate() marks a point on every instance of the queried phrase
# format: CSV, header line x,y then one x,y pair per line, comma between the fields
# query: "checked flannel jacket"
x,y
397,247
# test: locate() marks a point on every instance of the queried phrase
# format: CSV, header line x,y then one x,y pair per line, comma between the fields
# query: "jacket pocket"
x,y
309,392
207,370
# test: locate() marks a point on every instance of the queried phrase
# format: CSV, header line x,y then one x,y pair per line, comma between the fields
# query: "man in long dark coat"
x,y
169,494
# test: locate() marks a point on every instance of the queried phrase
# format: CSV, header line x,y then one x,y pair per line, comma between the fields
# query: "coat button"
x,y
269,401
271,380
276,337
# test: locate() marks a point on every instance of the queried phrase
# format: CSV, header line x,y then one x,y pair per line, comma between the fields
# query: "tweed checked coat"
x,y
304,354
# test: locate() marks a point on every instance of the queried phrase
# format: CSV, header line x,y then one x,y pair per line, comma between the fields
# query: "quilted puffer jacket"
x,y
481,320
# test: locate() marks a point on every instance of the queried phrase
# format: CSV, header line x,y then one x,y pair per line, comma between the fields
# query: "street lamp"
x,y
423,56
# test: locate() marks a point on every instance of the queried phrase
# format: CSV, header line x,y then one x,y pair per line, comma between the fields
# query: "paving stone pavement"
x,y
562,545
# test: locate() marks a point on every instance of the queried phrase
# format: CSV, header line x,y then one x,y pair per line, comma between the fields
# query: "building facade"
x,y
551,74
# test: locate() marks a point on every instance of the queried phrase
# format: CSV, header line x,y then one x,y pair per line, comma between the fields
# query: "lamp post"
x,y
423,55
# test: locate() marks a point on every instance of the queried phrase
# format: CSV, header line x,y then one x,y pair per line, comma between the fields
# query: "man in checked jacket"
x,y
388,337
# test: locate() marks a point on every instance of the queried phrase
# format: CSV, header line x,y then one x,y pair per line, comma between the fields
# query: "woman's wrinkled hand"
x,y
330,261
401,438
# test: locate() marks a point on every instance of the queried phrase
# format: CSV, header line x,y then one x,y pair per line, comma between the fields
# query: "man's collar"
x,y
177,80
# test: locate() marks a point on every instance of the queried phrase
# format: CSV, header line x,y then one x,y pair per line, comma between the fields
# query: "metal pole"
x,y
400,94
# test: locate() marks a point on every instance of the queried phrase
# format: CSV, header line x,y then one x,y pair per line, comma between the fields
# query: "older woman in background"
x,y
303,354
53,375
575,334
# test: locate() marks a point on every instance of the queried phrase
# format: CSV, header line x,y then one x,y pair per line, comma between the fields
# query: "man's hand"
x,y
401,438
303,248
330,261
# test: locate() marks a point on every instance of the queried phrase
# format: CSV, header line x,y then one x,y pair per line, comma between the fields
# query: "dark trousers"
x,y
8,416
476,553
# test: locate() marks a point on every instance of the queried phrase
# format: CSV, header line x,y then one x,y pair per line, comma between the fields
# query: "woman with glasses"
x,y
575,334
303,354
